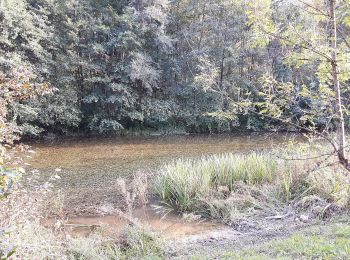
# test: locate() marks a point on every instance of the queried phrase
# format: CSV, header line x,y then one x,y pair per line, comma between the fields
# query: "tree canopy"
x,y
135,64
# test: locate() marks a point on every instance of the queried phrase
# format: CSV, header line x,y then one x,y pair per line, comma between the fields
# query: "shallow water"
x,y
169,225
125,155
89,169
90,166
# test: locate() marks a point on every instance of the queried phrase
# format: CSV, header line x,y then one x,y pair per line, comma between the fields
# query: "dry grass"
x,y
33,241
23,234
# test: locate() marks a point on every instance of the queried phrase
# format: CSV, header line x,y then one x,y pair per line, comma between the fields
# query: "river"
x,y
89,167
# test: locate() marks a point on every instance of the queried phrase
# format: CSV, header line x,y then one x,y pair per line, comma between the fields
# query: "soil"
x,y
214,244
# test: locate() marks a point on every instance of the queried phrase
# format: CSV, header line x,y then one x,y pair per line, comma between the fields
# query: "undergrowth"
x,y
24,234
229,187
33,241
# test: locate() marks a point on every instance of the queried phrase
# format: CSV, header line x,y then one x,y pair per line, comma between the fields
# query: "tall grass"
x,y
182,183
229,186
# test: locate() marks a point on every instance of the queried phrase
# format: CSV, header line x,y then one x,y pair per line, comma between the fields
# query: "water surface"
x,y
89,167
169,226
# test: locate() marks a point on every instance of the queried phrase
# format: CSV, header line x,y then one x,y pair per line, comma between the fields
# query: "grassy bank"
x,y
229,187
331,241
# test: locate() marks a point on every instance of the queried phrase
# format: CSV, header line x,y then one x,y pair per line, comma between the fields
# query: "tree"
x,y
336,87
24,32
14,87
320,48
150,63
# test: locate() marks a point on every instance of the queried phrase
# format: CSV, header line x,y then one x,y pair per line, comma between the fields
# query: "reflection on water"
x,y
89,167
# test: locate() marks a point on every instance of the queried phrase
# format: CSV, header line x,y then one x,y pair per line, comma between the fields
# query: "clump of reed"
x,y
184,182
229,187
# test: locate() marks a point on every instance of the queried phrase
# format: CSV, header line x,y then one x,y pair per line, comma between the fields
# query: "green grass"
x,y
183,183
324,242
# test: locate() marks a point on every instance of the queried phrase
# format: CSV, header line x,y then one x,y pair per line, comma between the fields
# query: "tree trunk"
x,y
336,87
202,27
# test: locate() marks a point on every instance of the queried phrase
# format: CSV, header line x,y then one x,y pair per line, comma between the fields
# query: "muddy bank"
x,y
214,244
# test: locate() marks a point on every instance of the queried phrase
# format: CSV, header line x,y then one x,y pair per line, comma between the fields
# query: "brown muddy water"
x,y
89,169
169,226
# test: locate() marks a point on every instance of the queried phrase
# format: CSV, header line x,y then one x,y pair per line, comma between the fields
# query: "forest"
x,y
112,66
174,129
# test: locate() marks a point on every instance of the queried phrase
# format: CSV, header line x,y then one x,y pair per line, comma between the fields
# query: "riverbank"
x,y
279,240
239,194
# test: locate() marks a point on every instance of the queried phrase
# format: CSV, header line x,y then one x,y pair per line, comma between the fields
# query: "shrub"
x,y
7,176
138,243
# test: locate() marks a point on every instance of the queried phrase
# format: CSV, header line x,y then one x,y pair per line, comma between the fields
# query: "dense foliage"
x,y
15,88
116,65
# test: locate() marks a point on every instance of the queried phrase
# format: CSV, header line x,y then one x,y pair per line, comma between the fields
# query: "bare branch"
x,y
318,11
308,45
